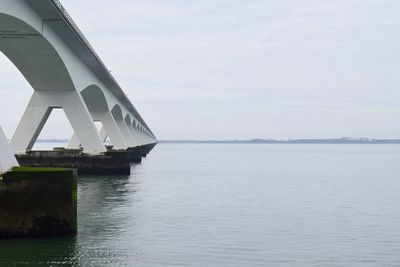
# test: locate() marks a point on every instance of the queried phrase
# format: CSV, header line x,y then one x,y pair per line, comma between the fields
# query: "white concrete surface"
x,y
38,111
61,79
7,159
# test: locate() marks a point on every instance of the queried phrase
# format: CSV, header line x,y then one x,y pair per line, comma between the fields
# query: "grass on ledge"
x,y
38,169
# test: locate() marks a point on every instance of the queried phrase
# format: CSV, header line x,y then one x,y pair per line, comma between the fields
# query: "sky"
x,y
230,69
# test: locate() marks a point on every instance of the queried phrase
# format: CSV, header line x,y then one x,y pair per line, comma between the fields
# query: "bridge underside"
x,y
41,40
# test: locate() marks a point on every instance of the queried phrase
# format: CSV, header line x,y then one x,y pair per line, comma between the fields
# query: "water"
x,y
235,205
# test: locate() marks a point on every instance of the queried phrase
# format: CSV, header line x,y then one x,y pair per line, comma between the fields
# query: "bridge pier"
x,y
47,47
111,128
42,41
38,202
110,162
7,159
128,123
38,111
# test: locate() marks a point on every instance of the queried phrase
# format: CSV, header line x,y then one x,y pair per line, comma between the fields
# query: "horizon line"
x,y
258,140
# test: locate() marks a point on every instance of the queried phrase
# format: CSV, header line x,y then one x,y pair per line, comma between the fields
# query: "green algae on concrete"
x,y
38,202
118,162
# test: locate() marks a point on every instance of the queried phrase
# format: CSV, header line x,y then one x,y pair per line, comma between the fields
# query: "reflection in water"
x,y
234,205
102,212
34,252
98,197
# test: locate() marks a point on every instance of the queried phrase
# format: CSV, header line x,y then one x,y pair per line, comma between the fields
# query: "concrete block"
x,y
38,202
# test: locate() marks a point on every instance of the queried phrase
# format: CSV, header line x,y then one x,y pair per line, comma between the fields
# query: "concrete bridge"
x,y
43,42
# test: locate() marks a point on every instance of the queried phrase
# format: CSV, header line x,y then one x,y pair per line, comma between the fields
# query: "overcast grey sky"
x,y
227,69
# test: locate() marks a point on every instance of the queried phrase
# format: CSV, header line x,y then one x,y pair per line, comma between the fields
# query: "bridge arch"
x,y
128,120
98,107
117,112
33,55
48,49
47,73
95,99
122,125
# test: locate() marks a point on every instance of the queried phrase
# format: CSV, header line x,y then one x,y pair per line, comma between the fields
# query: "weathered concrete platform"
x,y
110,162
38,202
142,151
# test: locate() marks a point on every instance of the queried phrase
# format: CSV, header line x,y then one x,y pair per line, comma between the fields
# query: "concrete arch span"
x,y
44,69
116,125
130,123
42,41
140,135
123,126
95,99
98,107
33,55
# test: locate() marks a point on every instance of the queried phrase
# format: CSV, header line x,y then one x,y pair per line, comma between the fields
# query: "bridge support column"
x,y
104,135
125,132
134,135
137,134
134,131
110,129
74,143
123,128
7,159
144,137
148,138
143,142
38,111
129,127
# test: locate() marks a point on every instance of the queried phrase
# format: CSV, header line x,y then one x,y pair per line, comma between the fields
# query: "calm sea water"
x,y
235,205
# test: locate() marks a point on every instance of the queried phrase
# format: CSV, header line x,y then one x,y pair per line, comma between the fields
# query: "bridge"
x,y
43,42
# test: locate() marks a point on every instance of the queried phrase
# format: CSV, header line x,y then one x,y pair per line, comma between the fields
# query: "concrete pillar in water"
x,y
7,159
38,202
38,111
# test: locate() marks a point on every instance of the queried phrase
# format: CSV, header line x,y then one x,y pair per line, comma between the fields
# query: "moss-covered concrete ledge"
x,y
111,162
38,202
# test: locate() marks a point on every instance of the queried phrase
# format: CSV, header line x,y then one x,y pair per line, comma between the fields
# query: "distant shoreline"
x,y
291,141
264,141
